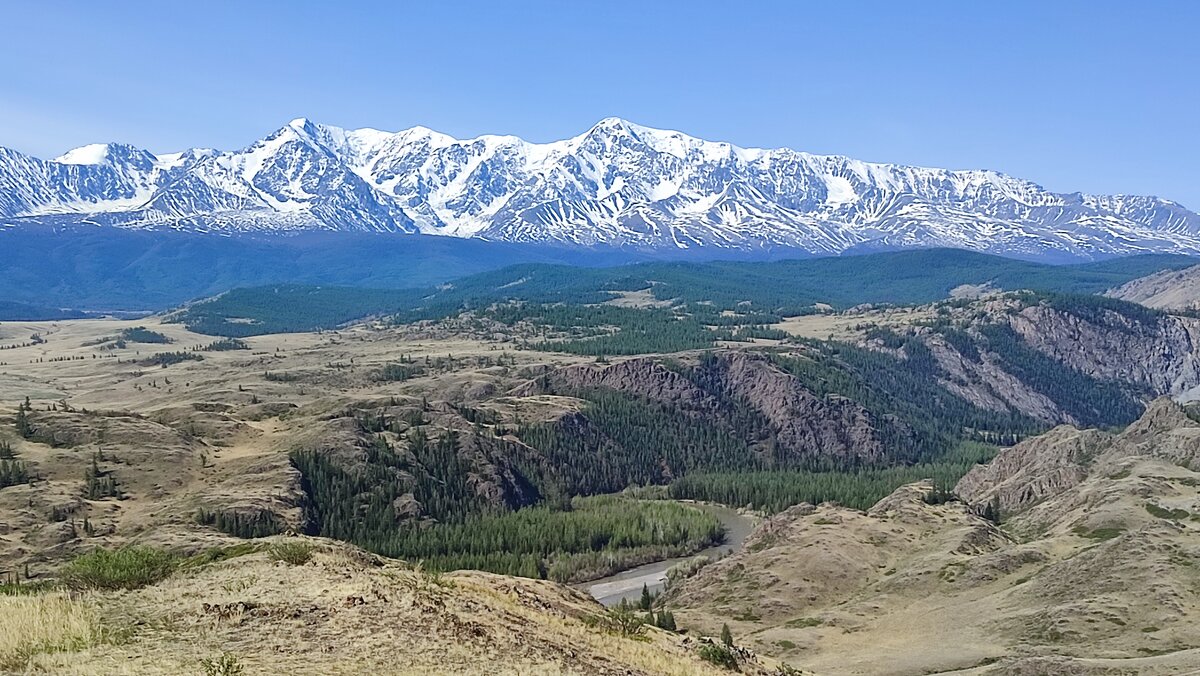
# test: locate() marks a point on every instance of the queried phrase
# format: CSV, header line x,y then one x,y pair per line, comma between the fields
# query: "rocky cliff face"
x,y
1157,353
802,422
643,377
1098,360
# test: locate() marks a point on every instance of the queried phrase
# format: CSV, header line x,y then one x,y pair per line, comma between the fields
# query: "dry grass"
x,y
849,327
344,612
45,623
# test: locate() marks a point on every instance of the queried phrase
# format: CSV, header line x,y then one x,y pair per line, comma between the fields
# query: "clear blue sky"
x,y
1096,96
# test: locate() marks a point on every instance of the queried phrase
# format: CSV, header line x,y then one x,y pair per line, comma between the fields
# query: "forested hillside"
x,y
783,288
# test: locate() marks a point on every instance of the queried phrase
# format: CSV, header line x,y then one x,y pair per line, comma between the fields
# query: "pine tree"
x,y
647,600
726,635
992,511
23,426
667,620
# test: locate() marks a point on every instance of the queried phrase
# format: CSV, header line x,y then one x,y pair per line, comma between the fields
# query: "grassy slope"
x,y
342,612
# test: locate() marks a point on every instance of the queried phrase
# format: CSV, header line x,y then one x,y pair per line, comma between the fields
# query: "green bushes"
x,y
397,372
1165,513
130,567
593,535
608,329
719,655
226,345
12,473
218,554
295,553
774,491
225,665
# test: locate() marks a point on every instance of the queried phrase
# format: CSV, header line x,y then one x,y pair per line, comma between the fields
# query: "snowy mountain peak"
x,y
93,153
104,153
618,183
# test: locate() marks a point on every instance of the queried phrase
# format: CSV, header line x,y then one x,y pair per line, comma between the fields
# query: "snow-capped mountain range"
x,y
618,184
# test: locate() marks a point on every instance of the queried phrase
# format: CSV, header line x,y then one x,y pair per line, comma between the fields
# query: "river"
x,y
628,583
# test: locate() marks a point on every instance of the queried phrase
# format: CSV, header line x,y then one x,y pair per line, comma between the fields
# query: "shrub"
x,y
225,665
1164,513
225,345
125,568
256,524
218,554
295,553
624,621
719,655
165,359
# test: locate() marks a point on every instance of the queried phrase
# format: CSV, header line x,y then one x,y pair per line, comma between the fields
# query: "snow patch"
x,y
95,153
839,191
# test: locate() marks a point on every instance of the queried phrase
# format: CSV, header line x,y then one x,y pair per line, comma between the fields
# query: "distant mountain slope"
x,y
13,311
895,277
109,268
780,288
1167,289
617,184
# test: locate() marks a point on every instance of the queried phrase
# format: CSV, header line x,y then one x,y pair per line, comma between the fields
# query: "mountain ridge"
x,y
617,184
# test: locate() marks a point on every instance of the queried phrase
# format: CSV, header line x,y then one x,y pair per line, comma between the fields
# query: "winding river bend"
x,y
628,583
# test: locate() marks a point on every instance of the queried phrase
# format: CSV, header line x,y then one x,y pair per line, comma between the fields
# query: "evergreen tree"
x,y
726,635
991,512
24,428
666,620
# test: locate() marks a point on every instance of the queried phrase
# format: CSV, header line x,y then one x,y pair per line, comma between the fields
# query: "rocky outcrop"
x,y
804,423
983,381
1096,558
1033,470
644,377
494,468
1048,465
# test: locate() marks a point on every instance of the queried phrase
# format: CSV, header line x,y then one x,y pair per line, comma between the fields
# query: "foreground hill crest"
x,y
618,183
